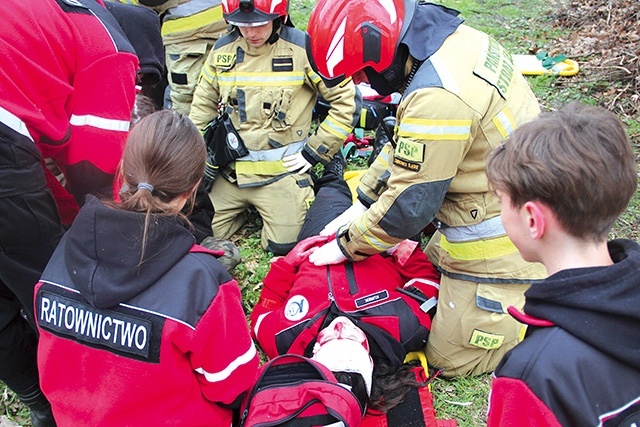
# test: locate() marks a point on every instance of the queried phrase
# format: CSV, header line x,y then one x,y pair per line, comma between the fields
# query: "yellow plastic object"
x,y
531,65
353,179
420,356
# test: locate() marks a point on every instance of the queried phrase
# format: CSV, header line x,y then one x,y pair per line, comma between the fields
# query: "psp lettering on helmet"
x,y
84,323
297,308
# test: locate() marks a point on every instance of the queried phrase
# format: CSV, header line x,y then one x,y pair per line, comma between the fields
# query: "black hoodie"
x,y
103,252
585,366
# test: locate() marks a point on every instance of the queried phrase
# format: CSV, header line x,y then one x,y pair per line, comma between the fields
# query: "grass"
x,y
522,27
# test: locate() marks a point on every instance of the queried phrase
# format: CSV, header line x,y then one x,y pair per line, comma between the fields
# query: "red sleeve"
x,y
512,403
418,266
105,94
222,350
275,288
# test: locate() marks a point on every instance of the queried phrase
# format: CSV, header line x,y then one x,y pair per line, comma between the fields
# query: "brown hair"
x,y
390,385
576,160
163,159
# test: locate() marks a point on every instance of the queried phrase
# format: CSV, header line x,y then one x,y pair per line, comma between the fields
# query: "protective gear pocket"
x,y
224,145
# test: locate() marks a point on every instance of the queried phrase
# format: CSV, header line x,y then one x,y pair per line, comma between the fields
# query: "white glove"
x,y
344,218
329,253
296,163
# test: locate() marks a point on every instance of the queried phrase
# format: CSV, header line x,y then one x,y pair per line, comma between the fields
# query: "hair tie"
x,y
145,186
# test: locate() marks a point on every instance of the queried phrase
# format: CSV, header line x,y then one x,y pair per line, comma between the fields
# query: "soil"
x,y
605,40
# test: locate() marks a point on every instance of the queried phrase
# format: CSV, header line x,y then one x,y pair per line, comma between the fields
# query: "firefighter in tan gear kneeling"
x,y
260,76
461,98
189,29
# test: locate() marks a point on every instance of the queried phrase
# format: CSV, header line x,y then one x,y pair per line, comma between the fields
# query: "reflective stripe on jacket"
x,y
457,108
270,93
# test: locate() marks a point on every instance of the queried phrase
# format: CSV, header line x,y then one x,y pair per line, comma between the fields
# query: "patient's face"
x,y
342,329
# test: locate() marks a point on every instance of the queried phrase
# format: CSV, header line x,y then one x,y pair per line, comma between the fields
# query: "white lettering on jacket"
x,y
86,323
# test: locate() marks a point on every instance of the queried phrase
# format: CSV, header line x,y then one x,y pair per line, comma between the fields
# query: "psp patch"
x,y
409,155
224,60
486,340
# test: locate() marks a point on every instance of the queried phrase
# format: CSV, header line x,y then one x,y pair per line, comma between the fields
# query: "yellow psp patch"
x,y
409,155
224,60
486,340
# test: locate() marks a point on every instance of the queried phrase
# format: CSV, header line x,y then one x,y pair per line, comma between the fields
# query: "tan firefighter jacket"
x,y
270,93
464,101
184,20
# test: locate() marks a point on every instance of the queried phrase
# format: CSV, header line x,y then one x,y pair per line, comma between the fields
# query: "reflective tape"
x,y
480,249
222,375
428,129
261,79
484,230
14,123
504,122
174,23
100,123
260,168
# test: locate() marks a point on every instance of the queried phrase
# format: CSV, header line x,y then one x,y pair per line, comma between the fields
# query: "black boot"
x,y
40,413
27,388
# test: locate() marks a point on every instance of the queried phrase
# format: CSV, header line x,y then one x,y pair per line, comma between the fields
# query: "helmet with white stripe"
x,y
345,36
252,13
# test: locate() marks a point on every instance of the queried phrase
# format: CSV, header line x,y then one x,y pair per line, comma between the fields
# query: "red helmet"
x,y
251,13
346,36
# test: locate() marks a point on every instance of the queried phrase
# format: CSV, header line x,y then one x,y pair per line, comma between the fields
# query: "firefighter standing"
x,y
189,29
461,98
260,75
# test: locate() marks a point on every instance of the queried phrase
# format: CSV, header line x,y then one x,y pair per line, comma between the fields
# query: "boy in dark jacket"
x,y
562,181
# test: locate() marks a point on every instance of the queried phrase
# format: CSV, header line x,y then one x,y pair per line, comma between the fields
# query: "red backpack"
x,y
295,391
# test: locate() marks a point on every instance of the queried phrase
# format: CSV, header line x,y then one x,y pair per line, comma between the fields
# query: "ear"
x,y
536,219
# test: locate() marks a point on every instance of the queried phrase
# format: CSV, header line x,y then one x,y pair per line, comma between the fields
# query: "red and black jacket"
x,y
124,342
71,82
579,364
295,303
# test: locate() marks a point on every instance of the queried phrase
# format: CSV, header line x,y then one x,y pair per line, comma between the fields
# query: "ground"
x,y
603,36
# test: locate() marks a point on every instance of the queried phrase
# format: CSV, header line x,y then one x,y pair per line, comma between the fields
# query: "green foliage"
x,y
464,399
12,411
299,11
522,26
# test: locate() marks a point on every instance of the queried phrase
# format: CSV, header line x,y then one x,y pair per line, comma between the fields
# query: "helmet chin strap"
x,y
393,78
275,33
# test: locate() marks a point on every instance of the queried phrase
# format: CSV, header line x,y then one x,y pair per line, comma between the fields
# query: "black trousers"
x,y
30,230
